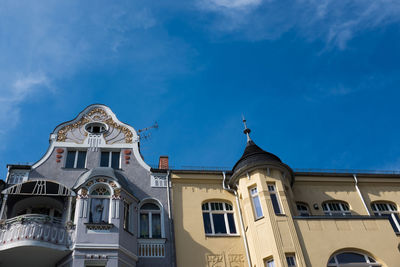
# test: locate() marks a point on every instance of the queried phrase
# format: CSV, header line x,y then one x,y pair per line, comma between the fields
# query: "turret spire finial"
x,y
246,130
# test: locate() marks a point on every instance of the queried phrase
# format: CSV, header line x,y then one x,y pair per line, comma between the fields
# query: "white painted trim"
x,y
106,246
32,243
53,143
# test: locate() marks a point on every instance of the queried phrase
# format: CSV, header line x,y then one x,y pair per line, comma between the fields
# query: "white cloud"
x,y
335,22
12,98
235,4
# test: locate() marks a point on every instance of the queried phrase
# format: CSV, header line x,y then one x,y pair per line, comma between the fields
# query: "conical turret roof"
x,y
254,154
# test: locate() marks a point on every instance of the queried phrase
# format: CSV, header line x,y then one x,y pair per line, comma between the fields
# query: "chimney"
x,y
163,163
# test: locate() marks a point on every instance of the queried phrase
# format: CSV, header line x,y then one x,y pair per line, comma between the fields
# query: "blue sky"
x,y
317,80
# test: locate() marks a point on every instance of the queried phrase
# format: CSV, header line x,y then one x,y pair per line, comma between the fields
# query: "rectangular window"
x,y
274,198
256,202
126,216
75,159
109,159
291,260
269,263
218,218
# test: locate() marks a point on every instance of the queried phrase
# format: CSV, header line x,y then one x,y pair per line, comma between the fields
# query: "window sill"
x,y
99,226
129,232
222,235
151,240
259,218
74,169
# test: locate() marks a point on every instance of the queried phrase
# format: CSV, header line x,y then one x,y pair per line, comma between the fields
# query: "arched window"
x,y
99,204
336,208
218,218
348,259
303,209
150,221
387,209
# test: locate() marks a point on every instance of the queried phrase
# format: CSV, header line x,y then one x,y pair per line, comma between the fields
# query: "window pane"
x,y
350,258
81,159
257,207
275,204
219,224
207,223
290,261
99,210
332,260
69,163
394,226
270,263
115,160
144,225
104,159
156,225
126,216
231,221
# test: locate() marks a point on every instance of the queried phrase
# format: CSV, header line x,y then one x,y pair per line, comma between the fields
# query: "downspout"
x,y
359,193
227,188
171,223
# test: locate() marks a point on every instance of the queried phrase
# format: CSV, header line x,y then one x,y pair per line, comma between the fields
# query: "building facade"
x,y
91,200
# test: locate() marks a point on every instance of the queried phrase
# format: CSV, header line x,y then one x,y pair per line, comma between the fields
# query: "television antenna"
x,y
144,133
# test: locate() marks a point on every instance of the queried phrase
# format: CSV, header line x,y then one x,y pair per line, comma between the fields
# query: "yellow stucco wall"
x,y
312,240
193,247
321,238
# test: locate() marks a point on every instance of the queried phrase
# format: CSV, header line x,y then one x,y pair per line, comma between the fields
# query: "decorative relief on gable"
x,y
236,260
75,132
215,260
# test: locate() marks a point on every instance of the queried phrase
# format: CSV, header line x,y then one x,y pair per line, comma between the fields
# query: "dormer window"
x,y
96,128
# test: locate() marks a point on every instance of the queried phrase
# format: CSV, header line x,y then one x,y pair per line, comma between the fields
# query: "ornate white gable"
x,y
77,132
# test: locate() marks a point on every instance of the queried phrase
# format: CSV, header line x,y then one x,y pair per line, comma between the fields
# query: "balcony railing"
x,y
151,248
35,228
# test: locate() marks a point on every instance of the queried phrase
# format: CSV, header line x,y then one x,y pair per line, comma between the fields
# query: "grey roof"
x,y
103,172
254,154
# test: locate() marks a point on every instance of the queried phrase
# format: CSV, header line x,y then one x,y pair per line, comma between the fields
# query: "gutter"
x,y
227,188
359,193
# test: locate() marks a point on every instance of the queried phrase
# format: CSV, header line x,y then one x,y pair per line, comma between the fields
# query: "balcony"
x,y
151,248
34,230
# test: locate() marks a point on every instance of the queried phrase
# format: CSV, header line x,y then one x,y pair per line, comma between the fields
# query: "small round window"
x,y
96,127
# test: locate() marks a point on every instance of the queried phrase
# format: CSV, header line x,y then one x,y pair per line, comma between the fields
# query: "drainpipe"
x,y
359,193
171,223
227,188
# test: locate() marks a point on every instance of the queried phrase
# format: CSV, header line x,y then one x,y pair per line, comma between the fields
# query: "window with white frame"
x,y
17,176
110,159
75,159
303,209
348,259
256,203
274,198
150,221
218,218
269,263
387,209
159,180
291,260
99,204
335,208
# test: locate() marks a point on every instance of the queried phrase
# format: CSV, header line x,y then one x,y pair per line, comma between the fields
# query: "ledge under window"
x,y
99,226
222,235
